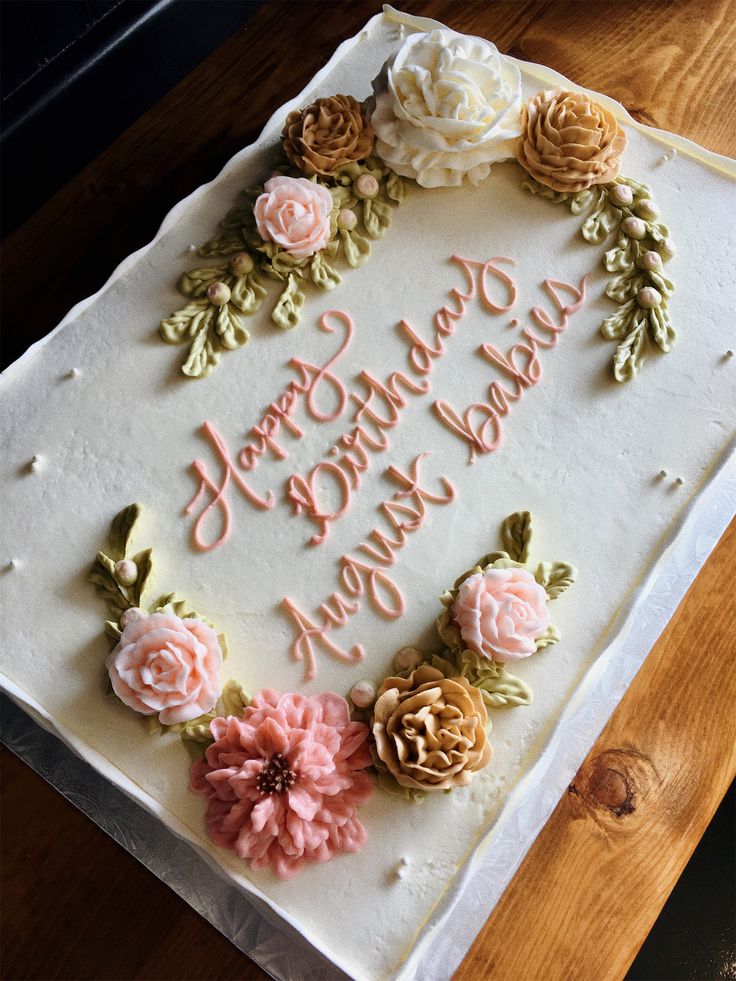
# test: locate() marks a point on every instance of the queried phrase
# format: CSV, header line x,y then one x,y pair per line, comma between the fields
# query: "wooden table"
x,y
76,905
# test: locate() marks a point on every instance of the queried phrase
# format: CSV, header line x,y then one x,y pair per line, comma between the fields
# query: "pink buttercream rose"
x,y
501,613
283,783
294,213
166,665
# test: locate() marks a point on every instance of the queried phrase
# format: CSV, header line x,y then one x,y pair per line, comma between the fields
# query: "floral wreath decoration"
x,y
445,108
285,774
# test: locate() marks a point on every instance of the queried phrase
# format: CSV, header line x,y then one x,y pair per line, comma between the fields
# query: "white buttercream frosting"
x,y
447,106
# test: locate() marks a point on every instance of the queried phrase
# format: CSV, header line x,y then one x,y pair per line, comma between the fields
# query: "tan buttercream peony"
x,y
327,135
568,142
430,730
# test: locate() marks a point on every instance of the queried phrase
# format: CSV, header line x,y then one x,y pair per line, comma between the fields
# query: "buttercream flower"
x,y
569,142
295,214
446,107
501,613
327,135
284,782
430,730
167,666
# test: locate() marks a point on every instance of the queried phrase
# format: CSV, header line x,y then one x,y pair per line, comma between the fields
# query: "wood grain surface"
x,y
75,905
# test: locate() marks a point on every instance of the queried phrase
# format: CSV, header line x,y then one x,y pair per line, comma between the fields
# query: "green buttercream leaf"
x,y
234,699
630,352
323,275
357,247
155,728
555,577
498,688
544,192
620,323
602,220
581,202
196,282
112,630
396,188
288,310
640,190
284,263
184,324
387,782
660,329
230,329
516,534
376,217
665,286
196,750
552,636
657,231
622,256
144,562
121,529
102,575
247,293
230,238
224,646
370,221
507,564
448,668
624,287
490,558
447,630
203,356
170,604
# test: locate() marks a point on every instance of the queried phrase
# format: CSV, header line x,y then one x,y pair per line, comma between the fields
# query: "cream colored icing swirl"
x,y
447,106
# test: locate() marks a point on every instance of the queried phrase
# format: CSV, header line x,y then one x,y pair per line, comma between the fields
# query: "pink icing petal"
x,y
501,613
326,755
166,665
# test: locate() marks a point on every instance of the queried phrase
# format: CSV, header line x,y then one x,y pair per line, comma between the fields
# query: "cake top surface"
x,y
66,477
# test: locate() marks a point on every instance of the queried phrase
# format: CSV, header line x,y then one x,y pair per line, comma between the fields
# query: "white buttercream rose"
x,y
446,107
295,214
166,666
501,613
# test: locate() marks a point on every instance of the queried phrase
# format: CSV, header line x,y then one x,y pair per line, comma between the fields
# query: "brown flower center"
x,y
276,776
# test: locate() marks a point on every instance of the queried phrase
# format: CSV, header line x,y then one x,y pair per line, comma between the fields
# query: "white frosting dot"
x,y
36,463
126,572
363,694
402,867
662,473
622,195
679,481
648,298
634,228
131,615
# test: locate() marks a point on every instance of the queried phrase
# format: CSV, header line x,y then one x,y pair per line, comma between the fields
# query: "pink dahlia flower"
x,y
284,781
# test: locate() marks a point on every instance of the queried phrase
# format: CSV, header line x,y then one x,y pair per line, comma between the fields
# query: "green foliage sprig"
x,y
625,208
121,580
222,295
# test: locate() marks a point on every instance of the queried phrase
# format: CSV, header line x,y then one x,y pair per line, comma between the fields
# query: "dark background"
x,y
62,104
